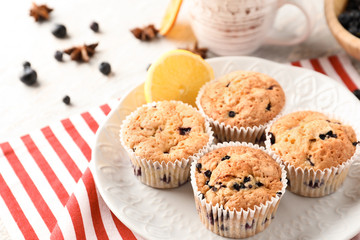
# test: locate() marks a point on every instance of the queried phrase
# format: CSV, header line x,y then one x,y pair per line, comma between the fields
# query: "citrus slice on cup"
x,y
170,16
177,75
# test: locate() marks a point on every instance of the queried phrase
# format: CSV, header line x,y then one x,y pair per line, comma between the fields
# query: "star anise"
x,y
81,53
146,33
40,12
199,51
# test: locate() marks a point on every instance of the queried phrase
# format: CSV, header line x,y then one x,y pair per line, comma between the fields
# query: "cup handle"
x,y
308,27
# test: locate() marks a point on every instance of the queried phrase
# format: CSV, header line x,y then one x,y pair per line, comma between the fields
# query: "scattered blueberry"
x,y
59,31
184,131
166,152
166,179
272,138
59,56
222,227
225,158
105,68
28,76
94,26
232,114
357,93
259,184
268,107
271,87
250,186
248,226
279,193
236,186
138,172
247,179
66,100
211,218
329,134
208,173
26,64
199,166
315,184
355,143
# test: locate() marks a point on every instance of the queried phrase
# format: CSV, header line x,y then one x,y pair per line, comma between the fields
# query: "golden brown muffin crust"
x,y
167,131
311,140
243,99
238,177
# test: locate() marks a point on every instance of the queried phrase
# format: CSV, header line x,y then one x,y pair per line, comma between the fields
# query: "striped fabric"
x,y
47,189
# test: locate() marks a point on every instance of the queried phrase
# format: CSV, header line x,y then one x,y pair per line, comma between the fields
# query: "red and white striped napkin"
x,y
47,189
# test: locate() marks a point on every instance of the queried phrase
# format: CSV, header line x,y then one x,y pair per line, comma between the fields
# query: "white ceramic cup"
x,y
239,27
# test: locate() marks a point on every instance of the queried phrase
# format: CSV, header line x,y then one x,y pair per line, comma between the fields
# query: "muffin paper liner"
x,y
161,174
226,133
232,223
308,182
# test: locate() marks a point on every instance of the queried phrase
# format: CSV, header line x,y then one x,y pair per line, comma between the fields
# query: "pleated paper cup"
x,y
161,174
226,133
308,182
236,224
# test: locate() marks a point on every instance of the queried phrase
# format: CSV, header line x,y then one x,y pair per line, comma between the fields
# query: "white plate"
x,y
171,214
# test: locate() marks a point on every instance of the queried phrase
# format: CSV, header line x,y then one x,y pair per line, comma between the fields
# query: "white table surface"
x,y
23,108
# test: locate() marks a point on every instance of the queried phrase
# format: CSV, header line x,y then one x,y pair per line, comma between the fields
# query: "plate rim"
x,y
211,61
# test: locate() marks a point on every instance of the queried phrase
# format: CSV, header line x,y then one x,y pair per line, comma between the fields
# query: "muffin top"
x,y
166,131
243,99
238,177
311,140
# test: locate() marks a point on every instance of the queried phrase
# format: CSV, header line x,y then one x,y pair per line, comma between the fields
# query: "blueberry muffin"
x,y
310,142
161,139
241,101
237,178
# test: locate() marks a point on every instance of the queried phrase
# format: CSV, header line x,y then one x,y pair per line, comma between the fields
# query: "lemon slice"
x,y
177,75
170,16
